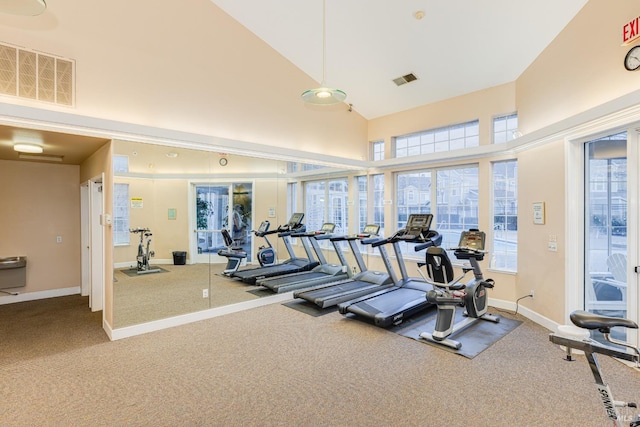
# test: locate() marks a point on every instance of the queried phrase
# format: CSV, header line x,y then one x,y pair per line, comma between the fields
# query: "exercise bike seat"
x,y
440,270
230,250
586,320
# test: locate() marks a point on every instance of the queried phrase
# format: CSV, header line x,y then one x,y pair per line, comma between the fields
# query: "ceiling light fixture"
x,y
323,95
23,147
23,7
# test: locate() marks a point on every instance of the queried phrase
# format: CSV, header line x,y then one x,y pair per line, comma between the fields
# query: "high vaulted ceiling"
x,y
459,46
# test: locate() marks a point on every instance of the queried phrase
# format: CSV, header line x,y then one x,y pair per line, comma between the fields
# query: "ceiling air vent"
x,y
34,75
407,78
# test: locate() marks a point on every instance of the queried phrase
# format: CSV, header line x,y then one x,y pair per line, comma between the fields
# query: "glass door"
x,y
211,215
606,237
219,206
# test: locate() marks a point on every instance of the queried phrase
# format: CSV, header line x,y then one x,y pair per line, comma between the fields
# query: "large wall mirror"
x,y
170,207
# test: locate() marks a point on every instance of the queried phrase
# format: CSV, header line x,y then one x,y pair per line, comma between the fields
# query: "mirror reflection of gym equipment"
x,y
236,254
144,253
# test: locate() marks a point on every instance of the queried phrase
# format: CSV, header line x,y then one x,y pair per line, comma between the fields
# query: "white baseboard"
x,y
32,296
529,314
143,328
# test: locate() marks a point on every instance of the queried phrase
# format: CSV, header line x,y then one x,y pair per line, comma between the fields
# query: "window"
x,y
377,197
361,182
456,203
412,182
378,201
505,128
505,215
120,164
121,214
292,198
455,200
454,137
326,201
377,150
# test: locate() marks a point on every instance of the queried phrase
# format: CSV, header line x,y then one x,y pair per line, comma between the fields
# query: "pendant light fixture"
x,y
323,95
23,7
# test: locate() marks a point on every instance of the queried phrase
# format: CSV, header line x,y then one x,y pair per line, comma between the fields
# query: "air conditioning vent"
x,y
36,76
407,78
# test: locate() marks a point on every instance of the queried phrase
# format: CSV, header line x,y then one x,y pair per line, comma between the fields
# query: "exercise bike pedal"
x,y
488,283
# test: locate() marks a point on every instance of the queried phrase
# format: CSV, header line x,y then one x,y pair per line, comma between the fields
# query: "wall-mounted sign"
x,y
538,213
630,31
136,202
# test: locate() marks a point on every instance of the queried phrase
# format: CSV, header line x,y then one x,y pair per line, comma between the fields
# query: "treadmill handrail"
x,y
434,239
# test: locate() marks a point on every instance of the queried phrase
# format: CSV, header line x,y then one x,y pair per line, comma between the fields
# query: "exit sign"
x,y
630,31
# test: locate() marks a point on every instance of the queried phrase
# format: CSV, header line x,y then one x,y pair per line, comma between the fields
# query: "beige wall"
x,y
39,203
160,194
481,105
541,179
581,69
137,83
189,67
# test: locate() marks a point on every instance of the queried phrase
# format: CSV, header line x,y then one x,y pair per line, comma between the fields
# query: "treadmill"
x,y
292,265
363,283
407,296
322,273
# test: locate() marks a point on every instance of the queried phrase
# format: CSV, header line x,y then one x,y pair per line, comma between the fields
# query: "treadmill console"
x,y
417,228
327,228
293,226
296,220
370,230
264,227
471,245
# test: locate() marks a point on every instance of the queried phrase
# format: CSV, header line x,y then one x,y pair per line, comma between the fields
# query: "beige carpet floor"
x,y
274,366
178,290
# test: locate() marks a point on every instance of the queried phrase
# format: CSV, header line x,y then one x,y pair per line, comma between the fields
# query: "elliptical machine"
x,y
144,255
448,293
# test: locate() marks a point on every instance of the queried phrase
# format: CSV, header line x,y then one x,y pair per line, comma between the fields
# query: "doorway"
x,y
218,206
609,184
92,241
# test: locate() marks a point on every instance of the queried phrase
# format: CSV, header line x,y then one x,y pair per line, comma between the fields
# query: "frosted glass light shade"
x,y
27,148
323,96
23,7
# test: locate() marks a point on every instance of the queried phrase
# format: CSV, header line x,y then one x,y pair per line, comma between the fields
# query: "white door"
x,y
85,240
610,233
96,202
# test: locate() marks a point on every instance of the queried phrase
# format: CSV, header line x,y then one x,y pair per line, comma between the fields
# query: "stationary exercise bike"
x,y
591,347
448,292
266,254
235,254
144,255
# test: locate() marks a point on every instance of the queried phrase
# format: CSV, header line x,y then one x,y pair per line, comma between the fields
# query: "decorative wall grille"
x,y
36,76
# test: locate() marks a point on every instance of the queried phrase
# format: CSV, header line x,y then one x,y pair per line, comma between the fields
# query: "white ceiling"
x,y
460,46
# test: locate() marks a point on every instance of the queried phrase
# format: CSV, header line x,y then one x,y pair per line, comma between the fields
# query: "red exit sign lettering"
x,y
630,31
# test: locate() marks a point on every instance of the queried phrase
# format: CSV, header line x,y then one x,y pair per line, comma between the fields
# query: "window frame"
x,y
438,140
497,230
